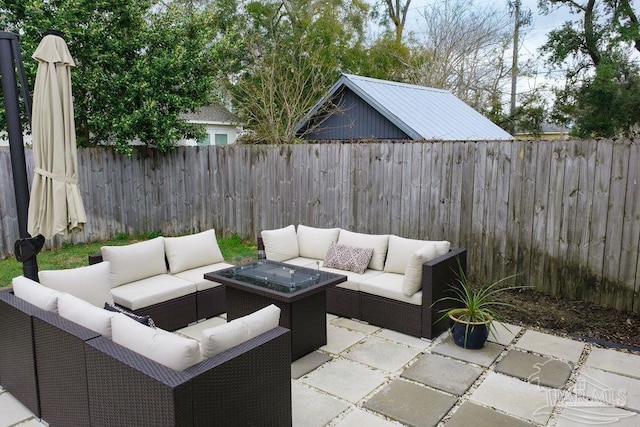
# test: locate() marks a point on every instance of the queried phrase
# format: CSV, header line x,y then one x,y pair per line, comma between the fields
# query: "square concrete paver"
x,y
535,369
551,345
419,343
355,325
11,410
312,408
339,339
443,373
308,363
483,357
346,379
503,333
608,387
361,418
471,414
379,353
411,404
614,361
516,397
579,416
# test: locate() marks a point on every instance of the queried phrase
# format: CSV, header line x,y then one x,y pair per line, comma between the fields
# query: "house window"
x,y
221,139
205,141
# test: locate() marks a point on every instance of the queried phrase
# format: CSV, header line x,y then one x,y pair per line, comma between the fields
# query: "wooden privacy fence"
x,y
563,214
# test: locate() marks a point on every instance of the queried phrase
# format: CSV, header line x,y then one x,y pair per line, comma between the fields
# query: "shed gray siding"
x,y
356,120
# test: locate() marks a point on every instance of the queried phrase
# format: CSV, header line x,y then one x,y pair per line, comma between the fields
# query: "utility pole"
x,y
514,64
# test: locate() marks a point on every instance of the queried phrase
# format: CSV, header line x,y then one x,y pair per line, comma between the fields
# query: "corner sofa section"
x,y
399,289
164,278
71,375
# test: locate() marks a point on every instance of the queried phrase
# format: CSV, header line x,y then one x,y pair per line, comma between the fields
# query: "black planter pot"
x,y
468,335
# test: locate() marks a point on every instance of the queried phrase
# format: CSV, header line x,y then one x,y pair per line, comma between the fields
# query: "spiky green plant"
x,y
476,307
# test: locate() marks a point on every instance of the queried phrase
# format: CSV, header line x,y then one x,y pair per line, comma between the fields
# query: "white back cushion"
x,y
171,350
314,242
135,261
88,315
377,242
400,251
90,283
36,294
223,337
280,244
195,250
412,282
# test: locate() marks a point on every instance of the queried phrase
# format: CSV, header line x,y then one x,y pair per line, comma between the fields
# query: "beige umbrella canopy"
x,y
55,206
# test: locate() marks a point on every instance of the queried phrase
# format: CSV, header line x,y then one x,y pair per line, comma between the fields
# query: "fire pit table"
x,y
298,291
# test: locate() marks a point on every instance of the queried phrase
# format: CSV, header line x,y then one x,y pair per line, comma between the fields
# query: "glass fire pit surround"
x,y
277,277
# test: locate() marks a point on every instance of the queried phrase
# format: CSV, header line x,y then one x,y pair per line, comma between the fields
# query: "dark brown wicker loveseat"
x,y
68,375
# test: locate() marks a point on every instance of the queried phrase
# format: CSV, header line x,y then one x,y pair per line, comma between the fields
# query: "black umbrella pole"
x,y
8,42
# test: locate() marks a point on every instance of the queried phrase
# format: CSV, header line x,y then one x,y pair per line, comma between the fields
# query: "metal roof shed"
x,y
365,108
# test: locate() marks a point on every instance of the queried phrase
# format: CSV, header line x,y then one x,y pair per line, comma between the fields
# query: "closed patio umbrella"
x,y
55,205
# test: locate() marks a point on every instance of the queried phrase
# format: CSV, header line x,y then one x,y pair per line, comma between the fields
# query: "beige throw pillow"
x,y
314,242
192,251
223,337
399,252
171,350
412,282
379,243
280,244
36,294
136,261
90,283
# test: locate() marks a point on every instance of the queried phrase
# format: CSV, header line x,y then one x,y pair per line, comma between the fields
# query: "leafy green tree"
x,y
295,50
596,49
139,63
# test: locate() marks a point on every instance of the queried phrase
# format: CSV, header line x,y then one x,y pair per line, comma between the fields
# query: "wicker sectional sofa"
x,y
71,375
400,286
164,278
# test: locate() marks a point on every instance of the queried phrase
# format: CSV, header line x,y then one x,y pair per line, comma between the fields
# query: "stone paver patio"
x,y
369,376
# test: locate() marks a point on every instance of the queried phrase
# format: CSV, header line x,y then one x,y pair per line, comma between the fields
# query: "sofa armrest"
x,y
438,275
94,258
60,355
249,384
17,350
261,252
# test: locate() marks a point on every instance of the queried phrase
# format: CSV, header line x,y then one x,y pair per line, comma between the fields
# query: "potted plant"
x,y
472,320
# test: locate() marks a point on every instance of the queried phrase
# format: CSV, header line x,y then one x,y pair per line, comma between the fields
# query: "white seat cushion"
x,y
223,337
304,262
353,279
171,350
152,290
136,261
378,242
401,249
389,285
36,294
314,242
280,244
413,272
195,250
90,283
196,275
85,314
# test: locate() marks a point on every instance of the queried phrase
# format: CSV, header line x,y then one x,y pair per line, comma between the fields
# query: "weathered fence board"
x,y
563,214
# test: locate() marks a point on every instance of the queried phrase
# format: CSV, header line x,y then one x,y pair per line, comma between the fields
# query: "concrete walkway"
x,y
370,376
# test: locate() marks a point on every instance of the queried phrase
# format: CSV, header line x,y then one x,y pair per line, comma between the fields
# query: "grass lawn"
x,y
233,249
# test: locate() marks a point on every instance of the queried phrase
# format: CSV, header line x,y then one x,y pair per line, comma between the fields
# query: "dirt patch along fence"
x,y
563,214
